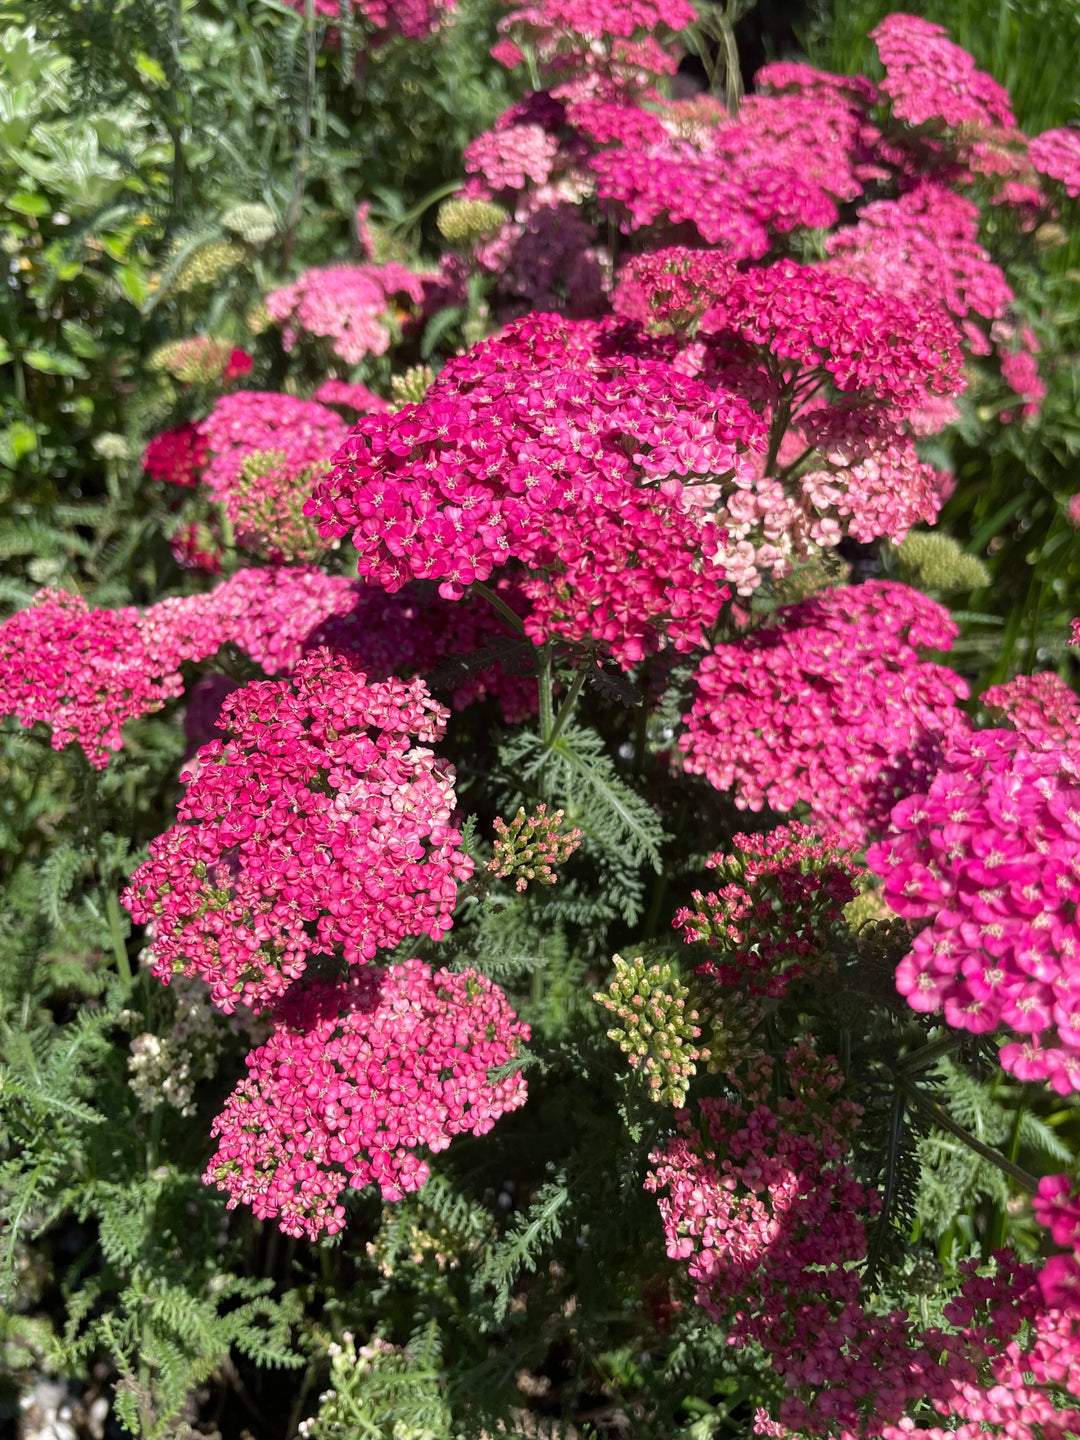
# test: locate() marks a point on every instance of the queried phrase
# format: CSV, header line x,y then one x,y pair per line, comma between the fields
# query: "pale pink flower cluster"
x,y
350,396
317,828
988,854
411,18
520,439
1056,153
347,304
505,157
352,1080
830,704
928,78
867,474
769,917
304,433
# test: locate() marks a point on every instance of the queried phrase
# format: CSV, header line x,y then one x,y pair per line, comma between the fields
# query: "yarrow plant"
x,y
529,732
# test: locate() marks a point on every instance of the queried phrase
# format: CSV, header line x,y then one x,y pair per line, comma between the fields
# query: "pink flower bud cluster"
x,y
1056,153
572,448
829,704
764,1204
352,1080
930,79
1039,707
530,846
265,506
988,854
316,829
777,897
201,360
345,303
177,455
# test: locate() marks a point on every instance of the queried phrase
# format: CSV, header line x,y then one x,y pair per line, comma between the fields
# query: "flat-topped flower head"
x,y
317,828
929,78
830,704
353,1080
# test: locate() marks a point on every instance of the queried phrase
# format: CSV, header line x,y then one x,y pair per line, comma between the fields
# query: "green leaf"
x,y
53,362
132,282
81,339
150,68
28,202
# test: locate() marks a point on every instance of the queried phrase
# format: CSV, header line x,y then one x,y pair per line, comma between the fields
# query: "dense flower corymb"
x,y
830,704
318,828
352,1080
989,855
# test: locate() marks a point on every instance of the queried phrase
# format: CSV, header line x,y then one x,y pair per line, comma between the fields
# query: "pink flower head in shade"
x,y
768,919
928,78
177,455
579,451
608,43
318,828
761,1199
345,303
350,397
1040,707
1056,153
829,704
988,854
352,1080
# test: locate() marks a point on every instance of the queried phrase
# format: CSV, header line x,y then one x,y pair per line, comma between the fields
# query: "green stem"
x,y
544,678
116,934
498,603
944,1121
928,1054
567,707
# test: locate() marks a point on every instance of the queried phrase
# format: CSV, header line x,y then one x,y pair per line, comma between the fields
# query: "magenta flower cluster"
x,y
520,438
352,1079
830,704
988,855
317,828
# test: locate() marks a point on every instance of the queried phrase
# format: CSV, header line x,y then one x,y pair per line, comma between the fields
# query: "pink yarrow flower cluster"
x,y
929,78
761,1199
596,43
412,19
347,304
318,828
522,441
177,455
1041,707
1056,153
988,854
352,1080
830,704
770,915
83,672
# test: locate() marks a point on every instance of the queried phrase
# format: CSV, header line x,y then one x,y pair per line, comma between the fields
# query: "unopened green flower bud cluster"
x,y
254,224
531,845
654,1029
936,562
464,222
411,387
